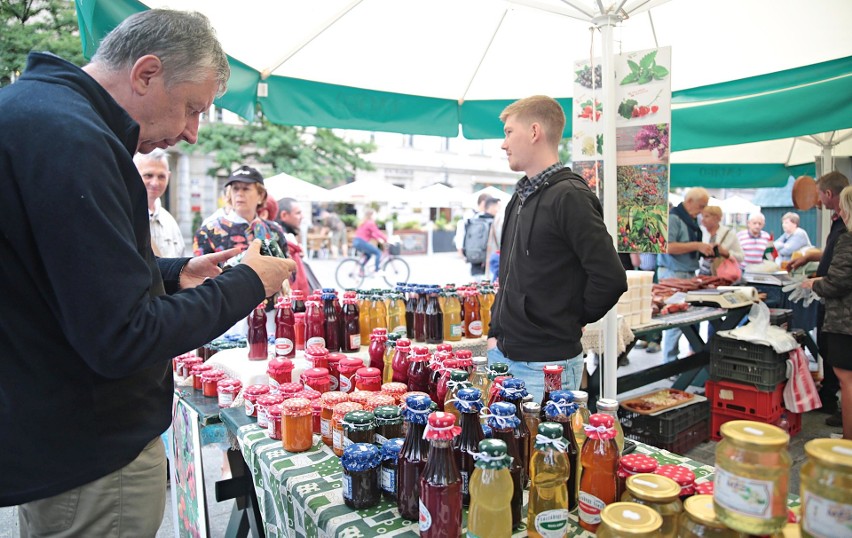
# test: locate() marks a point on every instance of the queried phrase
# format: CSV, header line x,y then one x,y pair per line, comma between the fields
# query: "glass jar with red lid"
x,y
317,379
289,390
227,390
360,396
704,488
308,393
683,476
339,411
196,372
186,365
263,403
273,422
348,367
334,369
395,389
279,371
377,399
317,356
631,464
368,379
250,395
177,362
209,379
328,401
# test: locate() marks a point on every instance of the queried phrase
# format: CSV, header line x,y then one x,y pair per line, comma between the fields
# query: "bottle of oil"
x,y
549,471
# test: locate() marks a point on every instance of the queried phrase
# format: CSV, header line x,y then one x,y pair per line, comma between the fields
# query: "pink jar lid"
x,y
278,365
212,375
316,373
254,391
270,399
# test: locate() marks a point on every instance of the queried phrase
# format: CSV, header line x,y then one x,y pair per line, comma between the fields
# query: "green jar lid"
x,y
551,430
359,420
493,454
459,375
386,413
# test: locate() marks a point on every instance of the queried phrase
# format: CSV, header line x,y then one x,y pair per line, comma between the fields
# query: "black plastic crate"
x,y
682,442
765,377
666,425
729,348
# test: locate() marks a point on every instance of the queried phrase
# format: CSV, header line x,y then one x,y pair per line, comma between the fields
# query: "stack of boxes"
x,y
678,430
635,304
747,383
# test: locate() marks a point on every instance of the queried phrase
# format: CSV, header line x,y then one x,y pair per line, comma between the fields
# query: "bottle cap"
x,y
498,368
835,452
503,416
747,432
600,419
653,487
631,517
513,389
350,363
417,407
464,354
552,369
607,404
638,463
316,373
334,397
551,430
387,412
479,361
368,372
701,509
339,410
309,393
458,375
441,426
392,448
377,400
358,418
493,454
359,457
580,396
296,407
334,358
444,347
469,400
403,344
418,353
531,408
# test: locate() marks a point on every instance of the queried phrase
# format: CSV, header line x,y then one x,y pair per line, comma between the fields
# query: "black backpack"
x,y
476,238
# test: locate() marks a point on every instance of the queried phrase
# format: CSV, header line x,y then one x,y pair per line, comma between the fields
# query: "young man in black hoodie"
x,y
558,267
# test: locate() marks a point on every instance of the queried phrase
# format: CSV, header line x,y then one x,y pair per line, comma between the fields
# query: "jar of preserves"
x,y
328,401
361,397
752,457
348,366
358,427
317,356
263,403
629,520
250,395
279,371
631,464
334,369
308,393
827,488
395,389
368,379
227,390
317,379
704,488
296,430
388,423
361,475
289,390
338,412
377,399
660,493
209,380
390,456
196,372
273,422
699,520
684,477
186,365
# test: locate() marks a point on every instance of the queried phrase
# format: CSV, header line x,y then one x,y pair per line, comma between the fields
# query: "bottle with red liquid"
x,y
351,326
400,361
418,369
437,366
299,330
420,315
298,298
469,403
442,387
376,350
514,390
412,457
434,318
559,408
314,324
472,315
503,422
598,480
465,360
285,332
441,484
331,323
258,342
552,382
410,307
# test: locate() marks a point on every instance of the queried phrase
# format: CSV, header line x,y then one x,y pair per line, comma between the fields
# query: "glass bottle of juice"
x,y
299,330
494,371
378,312
314,325
479,376
351,326
503,422
437,366
298,297
418,369
258,342
490,492
434,318
472,315
420,315
364,316
497,389
600,464
410,307
396,313
513,391
549,471
466,445
486,300
560,409
458,380
285,332
390,349
452,318
376,349
609,407
399,364
581,418
440,483
412,458
531,413
440,395
331,323
552,381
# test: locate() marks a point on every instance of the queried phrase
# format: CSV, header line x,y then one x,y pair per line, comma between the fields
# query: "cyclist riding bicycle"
x,y
366,231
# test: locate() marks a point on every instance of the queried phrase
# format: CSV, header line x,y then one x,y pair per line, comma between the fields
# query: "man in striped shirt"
x,y
754,239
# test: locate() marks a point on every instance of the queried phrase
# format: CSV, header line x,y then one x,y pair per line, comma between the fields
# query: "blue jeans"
x,y
533,372
671,337
369,249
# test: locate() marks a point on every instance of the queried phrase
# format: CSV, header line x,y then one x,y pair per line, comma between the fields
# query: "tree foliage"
x,y
315,155
40,25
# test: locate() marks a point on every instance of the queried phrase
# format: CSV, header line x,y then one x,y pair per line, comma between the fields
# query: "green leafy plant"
x,y
645,71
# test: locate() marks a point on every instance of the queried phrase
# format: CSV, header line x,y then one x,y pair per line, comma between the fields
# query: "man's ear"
x,y
144,73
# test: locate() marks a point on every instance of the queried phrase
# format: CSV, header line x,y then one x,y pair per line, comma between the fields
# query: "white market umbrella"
x,y
365,191
675,199
286,186
737,205
491,191
438,195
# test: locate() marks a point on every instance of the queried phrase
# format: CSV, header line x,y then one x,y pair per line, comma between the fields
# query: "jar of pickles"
x,y
263,403
699,520
631,464
338,412
209,381
250,395
388,423
358,427
361,479
296,430
660,493
827,488
196,372
227,390
629,520
328,401
752,469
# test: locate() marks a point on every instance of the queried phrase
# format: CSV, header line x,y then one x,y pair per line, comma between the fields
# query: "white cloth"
x,y
165,232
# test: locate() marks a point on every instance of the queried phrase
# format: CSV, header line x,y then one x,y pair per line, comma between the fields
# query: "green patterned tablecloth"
x,y
300,495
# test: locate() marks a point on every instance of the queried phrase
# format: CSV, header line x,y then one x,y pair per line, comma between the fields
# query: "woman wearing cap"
x,y
240,223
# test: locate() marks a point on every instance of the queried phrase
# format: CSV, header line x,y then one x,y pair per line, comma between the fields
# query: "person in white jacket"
x,y
717,234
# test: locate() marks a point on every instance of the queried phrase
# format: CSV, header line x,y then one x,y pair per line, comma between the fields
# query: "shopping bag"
x,y
727,268
800,394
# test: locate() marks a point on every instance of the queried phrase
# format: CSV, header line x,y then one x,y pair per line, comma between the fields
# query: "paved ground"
x,y
440,269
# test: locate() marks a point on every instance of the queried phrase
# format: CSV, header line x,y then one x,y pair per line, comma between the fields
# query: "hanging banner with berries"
x,y
642,143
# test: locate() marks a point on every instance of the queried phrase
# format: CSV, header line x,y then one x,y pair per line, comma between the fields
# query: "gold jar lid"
x,y
834,452
631,518
701,509
653,487
748,432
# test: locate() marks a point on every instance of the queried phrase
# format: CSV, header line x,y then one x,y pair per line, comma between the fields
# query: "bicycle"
x,y
352,271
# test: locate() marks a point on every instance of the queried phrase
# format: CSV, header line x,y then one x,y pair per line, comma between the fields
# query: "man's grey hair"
x,y
696,194
158,155
286,204
757,216
792,217
184,41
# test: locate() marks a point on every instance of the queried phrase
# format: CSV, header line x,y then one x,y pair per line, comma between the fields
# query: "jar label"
x,y
552,523
590,508
283,347
347,441
337,440
824,517
345,384
354,341
465,485
474,328
455,329
379,439
226,399
249,408
747,496
425,518
315,341
270,429
388,480
274,386
261,417
325,427
347,486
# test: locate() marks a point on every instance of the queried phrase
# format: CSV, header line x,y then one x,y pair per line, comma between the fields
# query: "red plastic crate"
x,y
717,418
744,401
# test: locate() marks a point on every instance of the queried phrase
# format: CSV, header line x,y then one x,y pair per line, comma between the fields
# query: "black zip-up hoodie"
x,y
558,271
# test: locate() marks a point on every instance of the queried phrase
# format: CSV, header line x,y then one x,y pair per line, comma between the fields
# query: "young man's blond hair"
x,y
542,109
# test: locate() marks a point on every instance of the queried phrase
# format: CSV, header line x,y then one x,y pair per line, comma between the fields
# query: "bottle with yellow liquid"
x,y
364,315
609,407
458,380
479,376
390,349
550,468
452,318
486,300
378,312
491,491
396,313
581,417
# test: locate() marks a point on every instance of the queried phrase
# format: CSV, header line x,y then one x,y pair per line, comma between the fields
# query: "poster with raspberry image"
x,y
644,86
643,211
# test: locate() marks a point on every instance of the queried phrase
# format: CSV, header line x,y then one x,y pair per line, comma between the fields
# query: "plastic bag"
x,y
729,269
800,393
